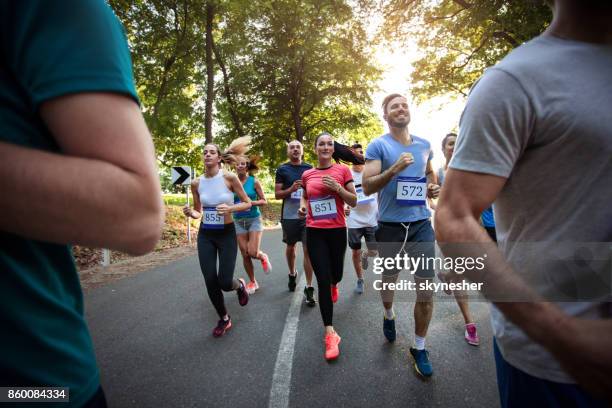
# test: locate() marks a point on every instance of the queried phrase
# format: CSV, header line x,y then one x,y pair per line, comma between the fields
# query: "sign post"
x,y
182,175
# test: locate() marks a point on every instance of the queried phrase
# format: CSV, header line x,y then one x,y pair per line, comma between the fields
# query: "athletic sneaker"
x,y
292,282
243,294
331,346
251,287
359,287
421,362
471,336
222,327
309,293
389,329
364,260
334,293
265,264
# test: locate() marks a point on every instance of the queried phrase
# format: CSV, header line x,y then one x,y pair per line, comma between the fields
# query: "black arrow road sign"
x,y
181,175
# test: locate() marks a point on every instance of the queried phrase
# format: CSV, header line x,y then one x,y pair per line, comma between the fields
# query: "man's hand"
x,y
302,212
582,346
187,211
347,210
297,184
405,160
433,190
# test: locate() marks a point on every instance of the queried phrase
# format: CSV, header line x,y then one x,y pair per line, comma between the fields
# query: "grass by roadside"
x,y
174,234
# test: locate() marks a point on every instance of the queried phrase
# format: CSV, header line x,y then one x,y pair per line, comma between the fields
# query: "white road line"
x,y
281,381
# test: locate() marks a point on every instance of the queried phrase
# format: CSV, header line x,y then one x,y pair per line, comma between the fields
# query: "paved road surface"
x,y
152,334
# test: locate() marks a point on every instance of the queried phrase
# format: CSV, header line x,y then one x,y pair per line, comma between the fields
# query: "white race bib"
x,y
411,190
297,194
211,219
323,208
361,197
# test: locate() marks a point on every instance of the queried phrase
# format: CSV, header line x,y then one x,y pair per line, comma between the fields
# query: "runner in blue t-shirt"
x,y
398,167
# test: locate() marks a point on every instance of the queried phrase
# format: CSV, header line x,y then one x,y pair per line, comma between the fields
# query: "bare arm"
x,y
346,193
196,211
260,195
281,194
106,176
374,180
236,187
463,199
433,189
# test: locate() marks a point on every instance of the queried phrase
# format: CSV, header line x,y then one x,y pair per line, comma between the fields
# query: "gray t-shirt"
x,y
542,118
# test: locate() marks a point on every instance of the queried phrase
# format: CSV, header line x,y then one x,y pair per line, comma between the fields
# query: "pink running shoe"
x,y
334,293
265,264
471,336
243,294
332,351
251,287
222,327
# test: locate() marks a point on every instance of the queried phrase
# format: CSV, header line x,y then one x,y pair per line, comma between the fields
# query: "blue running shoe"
x,y
421,362
389,329
359,287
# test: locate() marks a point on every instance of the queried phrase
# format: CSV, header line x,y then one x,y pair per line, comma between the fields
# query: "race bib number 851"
x,y
323,208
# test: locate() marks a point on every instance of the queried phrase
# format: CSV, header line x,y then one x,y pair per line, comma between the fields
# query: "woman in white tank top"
x,y
213,203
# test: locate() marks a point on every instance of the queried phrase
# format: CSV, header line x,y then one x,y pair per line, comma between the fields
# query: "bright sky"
x,y
430,120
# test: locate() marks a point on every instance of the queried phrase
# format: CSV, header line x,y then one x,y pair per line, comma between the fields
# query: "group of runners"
x,y
534,139
382,200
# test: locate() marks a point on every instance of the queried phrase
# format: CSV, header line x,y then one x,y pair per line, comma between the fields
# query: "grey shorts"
x,y
355,234
246,225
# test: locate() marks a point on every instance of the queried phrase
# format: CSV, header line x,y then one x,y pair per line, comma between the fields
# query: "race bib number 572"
x,y
411,190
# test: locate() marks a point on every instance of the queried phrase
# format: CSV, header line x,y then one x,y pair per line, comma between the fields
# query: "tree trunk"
x,y
210,72
228,94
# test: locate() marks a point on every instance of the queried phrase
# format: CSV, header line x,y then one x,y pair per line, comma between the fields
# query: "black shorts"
x,y
294,231
492,233
355,234
419,243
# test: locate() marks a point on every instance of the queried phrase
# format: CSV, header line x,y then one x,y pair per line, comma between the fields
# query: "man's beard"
x,y
400,125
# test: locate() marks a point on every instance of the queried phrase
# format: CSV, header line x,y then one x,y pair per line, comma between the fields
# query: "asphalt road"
x,y
152,334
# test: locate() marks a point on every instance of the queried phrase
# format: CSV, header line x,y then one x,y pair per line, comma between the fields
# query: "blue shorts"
x,y
519,389
246,225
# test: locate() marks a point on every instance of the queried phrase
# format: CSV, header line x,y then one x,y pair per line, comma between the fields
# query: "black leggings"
x,y
222,242
326,248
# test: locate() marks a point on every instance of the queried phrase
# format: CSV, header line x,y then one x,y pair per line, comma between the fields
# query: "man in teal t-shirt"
x,y
72,142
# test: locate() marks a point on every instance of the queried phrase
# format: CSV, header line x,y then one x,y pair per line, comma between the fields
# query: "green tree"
x,y
298,67
459,39
165,38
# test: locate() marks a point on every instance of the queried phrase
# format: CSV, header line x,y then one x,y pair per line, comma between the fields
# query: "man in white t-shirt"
x,y
361,222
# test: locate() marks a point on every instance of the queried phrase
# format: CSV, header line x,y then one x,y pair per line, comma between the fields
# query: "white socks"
x,y
419,342
389,314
